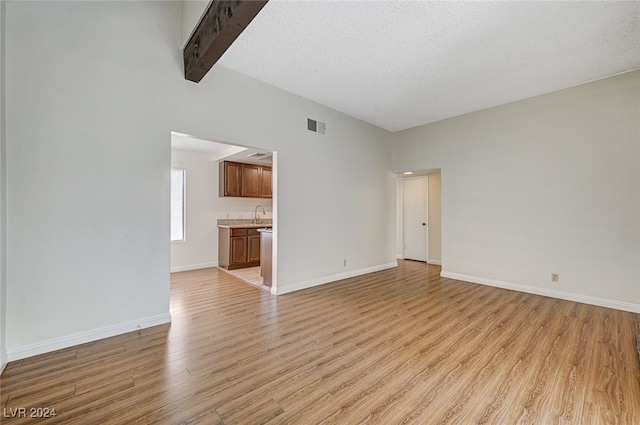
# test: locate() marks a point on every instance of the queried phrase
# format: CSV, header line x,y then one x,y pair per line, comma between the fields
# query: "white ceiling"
x,y
400,64
219,151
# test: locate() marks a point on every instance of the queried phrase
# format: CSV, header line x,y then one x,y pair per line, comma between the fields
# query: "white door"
x,y
415,214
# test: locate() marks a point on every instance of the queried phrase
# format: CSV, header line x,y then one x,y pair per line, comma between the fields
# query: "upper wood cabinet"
x,y
230,179
265,183
251,180
245,180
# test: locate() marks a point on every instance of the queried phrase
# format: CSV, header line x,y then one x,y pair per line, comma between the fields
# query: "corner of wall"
x,y
4,359
3,193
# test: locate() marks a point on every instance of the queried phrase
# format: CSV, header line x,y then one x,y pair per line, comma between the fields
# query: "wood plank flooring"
x,y
401,346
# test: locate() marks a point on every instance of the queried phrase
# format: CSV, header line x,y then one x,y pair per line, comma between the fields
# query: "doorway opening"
x,y
207,205
415,216
419,216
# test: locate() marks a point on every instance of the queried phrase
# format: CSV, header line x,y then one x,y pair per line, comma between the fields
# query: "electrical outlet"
x,y
344,263
555,277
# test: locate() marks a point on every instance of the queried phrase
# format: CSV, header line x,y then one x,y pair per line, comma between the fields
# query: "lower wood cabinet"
x,y
238,248
253,246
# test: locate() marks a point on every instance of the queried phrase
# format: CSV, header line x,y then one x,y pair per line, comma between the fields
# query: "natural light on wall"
x,y
177,204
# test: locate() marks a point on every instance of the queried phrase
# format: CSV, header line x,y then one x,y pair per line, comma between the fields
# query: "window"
x,y
177,204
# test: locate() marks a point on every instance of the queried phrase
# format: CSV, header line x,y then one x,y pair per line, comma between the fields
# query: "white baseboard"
x,y
569,296
84,337
4,359
193,267
429,261
400,257
328,279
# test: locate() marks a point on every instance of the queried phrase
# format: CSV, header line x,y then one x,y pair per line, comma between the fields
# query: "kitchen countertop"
x,y
244,223
244,226
266,230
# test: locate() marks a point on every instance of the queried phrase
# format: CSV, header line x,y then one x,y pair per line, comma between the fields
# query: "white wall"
x,y
3,197
548,184
203,209
88,169
399,218
435,229
192,11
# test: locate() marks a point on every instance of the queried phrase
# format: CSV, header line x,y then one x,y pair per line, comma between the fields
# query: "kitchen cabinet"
x,y
251,181
238,247
253,247
265,183
245,180
230,179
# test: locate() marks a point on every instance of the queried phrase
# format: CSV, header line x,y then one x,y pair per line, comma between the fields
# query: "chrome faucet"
x,y
255,214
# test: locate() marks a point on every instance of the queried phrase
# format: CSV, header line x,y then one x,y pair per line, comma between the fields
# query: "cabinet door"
x,y
238,250
254,248
231,179
265,183
251,180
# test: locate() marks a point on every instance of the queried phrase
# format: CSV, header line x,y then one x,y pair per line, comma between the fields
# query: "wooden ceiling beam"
x,y
221,24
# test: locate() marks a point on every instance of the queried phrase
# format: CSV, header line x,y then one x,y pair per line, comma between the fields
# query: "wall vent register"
x,y
316,126
259,155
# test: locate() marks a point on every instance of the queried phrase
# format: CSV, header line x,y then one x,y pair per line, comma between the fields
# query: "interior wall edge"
x,y
567,296
67,341
3,191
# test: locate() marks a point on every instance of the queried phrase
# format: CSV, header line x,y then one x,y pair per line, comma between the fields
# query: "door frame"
x,y
434,212
404,211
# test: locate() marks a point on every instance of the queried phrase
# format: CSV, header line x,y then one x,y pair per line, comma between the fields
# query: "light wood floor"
x,y
401,346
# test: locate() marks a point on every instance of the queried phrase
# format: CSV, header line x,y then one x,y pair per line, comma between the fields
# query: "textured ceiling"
x,y
400,64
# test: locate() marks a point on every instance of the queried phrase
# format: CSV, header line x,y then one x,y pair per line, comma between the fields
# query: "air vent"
x,y
258,155
261,157
316,126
